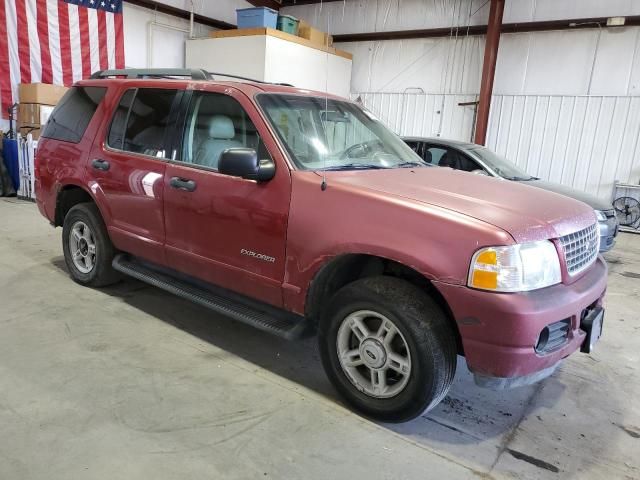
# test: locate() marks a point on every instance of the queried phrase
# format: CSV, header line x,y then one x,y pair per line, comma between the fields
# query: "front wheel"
x,y
388,348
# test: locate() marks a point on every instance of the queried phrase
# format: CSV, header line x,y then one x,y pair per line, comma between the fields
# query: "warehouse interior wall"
x,y
154,39
566,104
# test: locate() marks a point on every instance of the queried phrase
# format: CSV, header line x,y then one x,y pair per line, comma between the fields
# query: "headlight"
x,y
601,216
515,268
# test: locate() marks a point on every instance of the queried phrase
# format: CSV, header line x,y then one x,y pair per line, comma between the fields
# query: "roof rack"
x,y
248,79
194,73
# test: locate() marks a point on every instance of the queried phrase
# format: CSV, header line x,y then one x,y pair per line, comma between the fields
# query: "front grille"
x,y
580,248
553,336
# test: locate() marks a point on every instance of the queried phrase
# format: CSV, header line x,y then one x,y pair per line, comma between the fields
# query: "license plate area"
x,y
592,324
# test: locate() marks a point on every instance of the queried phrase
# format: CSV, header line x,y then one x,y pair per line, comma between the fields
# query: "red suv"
x,y
299,212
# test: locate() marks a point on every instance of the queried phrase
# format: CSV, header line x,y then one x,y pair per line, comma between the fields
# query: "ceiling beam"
x,y
180,13
571,24
291,3
266,3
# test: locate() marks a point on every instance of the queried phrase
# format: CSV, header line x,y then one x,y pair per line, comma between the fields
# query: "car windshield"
x,y
501,165
327,134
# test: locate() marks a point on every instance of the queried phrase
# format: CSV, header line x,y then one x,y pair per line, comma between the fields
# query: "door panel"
x,y
127,171
226,230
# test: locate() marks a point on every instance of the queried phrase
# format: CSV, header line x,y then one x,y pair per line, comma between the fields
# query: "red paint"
x,y
43,38
65,43
103,47
6,95
118,26
430,219
24,53
85,43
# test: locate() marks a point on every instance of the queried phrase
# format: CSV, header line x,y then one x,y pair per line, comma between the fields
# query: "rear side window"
x,y
73,113
140,122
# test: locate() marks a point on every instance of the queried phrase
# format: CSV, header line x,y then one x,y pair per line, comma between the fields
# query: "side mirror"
x,y
244,163
479,171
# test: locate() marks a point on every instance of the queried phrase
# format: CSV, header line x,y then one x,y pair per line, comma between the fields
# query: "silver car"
x,y
478,159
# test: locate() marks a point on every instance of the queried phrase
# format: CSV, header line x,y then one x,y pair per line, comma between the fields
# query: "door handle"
x,y
182,184
99,164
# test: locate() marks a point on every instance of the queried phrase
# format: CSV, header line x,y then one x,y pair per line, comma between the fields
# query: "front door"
x,y
128,168
222,229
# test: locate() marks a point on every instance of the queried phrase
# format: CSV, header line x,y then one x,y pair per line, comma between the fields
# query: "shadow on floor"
x,y
468,415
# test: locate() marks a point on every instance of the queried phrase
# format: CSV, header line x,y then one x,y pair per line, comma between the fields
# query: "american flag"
x,y
56,41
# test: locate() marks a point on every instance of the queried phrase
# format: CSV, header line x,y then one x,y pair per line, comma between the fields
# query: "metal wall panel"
x,y
586,142
422,114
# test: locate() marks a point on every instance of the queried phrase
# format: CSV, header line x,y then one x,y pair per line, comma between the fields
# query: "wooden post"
x,y
489,69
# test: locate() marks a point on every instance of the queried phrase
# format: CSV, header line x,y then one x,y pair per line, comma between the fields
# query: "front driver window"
x,y
216,122
446,157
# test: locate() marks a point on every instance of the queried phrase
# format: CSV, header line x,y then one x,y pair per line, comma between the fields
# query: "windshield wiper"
x,y
520,179
355,166
410,164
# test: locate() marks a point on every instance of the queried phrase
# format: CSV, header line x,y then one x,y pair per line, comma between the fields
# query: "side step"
x,y
257,314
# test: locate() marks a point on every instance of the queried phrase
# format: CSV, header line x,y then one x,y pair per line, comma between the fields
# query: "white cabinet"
x,y
273,56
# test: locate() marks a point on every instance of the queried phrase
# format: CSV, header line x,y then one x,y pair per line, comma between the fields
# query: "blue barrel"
x,y
10,157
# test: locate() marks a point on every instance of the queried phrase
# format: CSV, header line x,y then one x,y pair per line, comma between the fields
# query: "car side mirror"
x,y
479,171
244,163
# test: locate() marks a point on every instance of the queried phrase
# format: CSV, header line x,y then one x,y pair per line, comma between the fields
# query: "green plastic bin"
x,y
288,24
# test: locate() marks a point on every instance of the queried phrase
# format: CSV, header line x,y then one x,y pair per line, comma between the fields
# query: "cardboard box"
x,y
314,35
35,132
33,114
41,93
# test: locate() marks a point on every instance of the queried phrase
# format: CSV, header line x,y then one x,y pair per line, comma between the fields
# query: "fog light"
x,y
543,339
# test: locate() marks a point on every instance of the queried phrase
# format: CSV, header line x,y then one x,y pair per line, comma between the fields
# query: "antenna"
x,y
323,185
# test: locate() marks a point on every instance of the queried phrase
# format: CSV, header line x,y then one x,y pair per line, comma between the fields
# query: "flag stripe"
x,y
111,40
14,58
43,37
65,43
54,42
6,98
23,39
35,64
119,29
57,41
94,48
102,40
85,45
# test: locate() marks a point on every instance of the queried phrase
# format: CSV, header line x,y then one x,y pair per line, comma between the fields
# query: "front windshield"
x,y
501,165
326,134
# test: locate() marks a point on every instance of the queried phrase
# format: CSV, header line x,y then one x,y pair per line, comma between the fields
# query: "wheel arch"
x,y
68,196
346,268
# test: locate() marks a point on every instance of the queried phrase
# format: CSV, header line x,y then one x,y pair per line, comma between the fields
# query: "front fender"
x,y
436,242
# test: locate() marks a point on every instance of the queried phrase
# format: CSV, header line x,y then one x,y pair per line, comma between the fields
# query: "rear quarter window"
x,y
72,115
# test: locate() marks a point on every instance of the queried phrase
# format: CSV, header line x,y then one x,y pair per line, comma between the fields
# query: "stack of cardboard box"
x,y
36,104
314,35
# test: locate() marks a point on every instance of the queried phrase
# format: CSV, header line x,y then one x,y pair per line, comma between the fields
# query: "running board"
x,y
260,315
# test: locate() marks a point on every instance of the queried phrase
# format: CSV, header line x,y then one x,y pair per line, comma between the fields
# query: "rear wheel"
x,y
388,348
88,251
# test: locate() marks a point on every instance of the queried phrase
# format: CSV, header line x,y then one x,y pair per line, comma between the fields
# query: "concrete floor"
x,y
130,382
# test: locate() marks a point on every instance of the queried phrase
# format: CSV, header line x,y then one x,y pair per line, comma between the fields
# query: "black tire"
x,y
425,328
102,273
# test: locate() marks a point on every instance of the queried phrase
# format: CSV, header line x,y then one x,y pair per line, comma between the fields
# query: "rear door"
x,y
226,230
127,168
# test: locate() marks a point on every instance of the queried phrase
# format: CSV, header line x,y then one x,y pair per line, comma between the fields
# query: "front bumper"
x,y
500,330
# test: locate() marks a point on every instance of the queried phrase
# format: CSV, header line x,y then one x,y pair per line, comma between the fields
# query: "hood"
x,y
591,200
526,213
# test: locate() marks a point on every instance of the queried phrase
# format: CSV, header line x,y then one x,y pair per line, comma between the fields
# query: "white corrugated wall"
x,y
565,105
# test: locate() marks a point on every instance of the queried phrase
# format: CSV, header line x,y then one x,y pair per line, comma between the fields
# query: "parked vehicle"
x,y
298,212
478,159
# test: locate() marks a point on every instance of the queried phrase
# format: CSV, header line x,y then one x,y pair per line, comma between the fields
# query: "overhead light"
x,y
615,21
